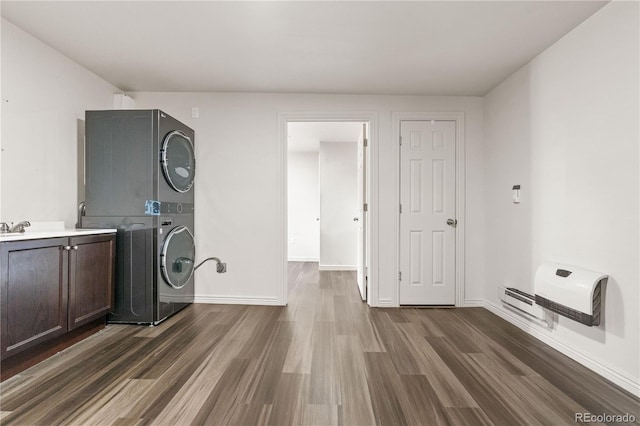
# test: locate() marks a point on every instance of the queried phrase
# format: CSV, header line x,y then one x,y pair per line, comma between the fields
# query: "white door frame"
x,y
372,190
458,117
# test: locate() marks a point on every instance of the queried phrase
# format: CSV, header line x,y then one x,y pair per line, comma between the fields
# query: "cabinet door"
x,y
33,293
91,278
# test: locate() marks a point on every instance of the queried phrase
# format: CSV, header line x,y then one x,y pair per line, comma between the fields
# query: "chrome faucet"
x,y
4,227
19,227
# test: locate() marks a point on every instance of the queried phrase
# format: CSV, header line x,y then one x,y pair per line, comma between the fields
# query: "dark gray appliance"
x,y
140,169
135,159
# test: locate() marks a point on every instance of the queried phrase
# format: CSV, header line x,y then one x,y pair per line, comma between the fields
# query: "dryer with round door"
x,y
177,161
135,160
140,176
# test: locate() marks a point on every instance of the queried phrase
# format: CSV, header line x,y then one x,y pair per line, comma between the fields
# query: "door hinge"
x,y
400,140
366,142
400,275
365,207
400,208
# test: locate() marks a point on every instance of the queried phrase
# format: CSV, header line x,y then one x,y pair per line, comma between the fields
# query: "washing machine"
x,y
175,255
155,261
139,179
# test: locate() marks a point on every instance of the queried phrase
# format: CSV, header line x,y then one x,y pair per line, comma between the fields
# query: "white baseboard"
x,y
303,259
338,267
176,298
468,303
609,372
237,300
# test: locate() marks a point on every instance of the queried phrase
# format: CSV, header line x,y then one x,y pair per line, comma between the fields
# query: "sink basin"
x,y
11,234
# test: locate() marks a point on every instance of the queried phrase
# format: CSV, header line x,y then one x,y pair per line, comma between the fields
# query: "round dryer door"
x,y
178,161
178,257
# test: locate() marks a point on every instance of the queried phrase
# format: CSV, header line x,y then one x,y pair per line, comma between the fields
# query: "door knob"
x,y
355,219
452,222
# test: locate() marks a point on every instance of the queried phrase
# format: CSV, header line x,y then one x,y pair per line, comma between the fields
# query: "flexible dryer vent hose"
x,y
220,266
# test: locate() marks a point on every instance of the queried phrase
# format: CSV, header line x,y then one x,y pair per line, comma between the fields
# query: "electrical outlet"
x,y
516,194
195,112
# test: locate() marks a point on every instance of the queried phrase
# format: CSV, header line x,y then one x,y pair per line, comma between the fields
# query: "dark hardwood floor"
x,y
324,359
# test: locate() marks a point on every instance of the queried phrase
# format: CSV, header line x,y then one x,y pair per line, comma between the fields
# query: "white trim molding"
x,y
541,333
337,267
237,300
371,118
303,259
458,117
473,303
386,303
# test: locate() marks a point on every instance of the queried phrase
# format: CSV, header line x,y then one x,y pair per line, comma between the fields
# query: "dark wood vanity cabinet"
x,y
91,278
49,287
33,293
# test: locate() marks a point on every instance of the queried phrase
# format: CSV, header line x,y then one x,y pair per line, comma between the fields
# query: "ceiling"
x,y
306,136
350,47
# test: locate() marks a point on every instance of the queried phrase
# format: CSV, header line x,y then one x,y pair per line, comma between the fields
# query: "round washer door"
x,y
178,161
177,257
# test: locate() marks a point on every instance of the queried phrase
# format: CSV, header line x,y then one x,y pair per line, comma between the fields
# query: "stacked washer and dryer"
x,y
139,176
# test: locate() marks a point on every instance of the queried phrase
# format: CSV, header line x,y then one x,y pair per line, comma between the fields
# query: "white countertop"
x,y
50,230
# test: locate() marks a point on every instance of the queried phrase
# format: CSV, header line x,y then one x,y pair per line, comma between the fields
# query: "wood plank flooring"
x,y
325,359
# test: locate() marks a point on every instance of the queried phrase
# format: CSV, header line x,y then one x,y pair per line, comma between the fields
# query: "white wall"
x,y
44,94
238,189
565,127
338,206
304,207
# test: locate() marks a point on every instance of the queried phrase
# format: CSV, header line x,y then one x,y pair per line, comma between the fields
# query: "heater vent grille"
x,y
581,317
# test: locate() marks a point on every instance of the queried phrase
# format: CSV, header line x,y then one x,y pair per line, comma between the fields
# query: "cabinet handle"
x,y
66,248
75,247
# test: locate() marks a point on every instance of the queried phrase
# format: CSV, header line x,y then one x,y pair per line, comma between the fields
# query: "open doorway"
x,y
326,193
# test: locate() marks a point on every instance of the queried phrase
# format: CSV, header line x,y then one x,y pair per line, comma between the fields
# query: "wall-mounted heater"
x,y
572,292
524,303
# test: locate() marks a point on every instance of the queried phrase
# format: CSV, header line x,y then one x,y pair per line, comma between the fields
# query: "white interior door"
x,y
427,203
362,216
338,197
